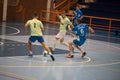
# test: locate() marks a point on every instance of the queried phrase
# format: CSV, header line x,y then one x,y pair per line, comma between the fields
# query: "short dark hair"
x,y
63,12
35,14
79,20
78,5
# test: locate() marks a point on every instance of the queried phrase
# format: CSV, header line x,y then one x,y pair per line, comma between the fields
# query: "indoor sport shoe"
x,y
30,55
83,54
52,57
69,56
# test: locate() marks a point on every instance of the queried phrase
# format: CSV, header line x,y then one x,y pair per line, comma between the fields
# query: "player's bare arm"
x,y
26,28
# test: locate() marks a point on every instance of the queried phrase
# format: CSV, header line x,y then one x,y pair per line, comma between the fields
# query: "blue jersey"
x,y
78,14
81,30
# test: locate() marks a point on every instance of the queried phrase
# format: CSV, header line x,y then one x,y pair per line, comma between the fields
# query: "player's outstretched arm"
x,y
26,28
81,17
42,29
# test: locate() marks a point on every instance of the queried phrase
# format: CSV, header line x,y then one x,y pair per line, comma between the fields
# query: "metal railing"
x,y
53,19
65,5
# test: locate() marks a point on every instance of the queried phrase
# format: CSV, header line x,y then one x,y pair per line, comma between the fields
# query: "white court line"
x,y
23,60
39,66
42,65
1,43
18,31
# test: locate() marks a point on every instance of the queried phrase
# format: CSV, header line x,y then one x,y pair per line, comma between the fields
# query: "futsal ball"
x,y
45,53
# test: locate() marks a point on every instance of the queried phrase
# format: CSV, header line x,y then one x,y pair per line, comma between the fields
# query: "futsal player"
x,y
64,21
36,29
78,14
81,31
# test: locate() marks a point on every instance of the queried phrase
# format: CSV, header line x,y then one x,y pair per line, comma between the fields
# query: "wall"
x,y
23,10
1,11
29,6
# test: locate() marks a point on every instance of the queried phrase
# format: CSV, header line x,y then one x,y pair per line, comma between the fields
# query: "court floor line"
x,y
89,59
1,43
46,65
109,69
17,75
9,76
18,31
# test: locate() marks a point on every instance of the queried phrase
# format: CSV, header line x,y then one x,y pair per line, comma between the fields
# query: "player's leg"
x,y
31,39
48,50
78,45
81,49
61,36
30,46
54,44
70,55
46,47
63,42
41,40
58,36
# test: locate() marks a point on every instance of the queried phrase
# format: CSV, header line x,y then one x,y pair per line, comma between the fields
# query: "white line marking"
x,y
54,63
39,66
1,43
89,59
18,31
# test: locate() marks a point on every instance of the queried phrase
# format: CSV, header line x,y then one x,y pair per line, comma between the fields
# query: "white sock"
x,y
31,52
50,53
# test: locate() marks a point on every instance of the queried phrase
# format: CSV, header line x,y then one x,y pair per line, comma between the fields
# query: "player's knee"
x,y
56,38
61,42
70,43
29,42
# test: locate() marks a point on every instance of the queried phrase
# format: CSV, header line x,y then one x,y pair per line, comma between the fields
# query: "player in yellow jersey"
x,y
64,21
36,29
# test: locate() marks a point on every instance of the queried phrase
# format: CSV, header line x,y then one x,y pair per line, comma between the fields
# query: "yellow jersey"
x,y
35,27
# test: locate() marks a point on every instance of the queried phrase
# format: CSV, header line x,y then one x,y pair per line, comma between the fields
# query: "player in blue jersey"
x,y
78,14
81,31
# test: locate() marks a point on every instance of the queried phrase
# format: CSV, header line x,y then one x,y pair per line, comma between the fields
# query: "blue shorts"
x,y
38,38
79,42
74,22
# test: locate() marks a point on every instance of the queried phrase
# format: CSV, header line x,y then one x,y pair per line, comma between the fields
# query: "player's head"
x,y
63,14
78,7
35,15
